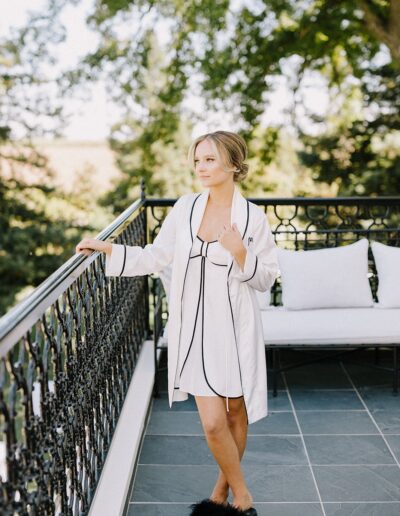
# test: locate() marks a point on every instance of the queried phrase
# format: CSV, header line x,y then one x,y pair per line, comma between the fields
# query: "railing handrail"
x,y
21,317
302,201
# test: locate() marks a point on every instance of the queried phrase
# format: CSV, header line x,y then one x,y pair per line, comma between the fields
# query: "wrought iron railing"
x,y
317,223
68,351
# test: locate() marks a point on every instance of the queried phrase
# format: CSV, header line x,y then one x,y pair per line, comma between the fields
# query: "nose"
x,y
200,166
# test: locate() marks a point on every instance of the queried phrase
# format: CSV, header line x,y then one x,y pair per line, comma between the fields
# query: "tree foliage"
x,y
39,225
232,53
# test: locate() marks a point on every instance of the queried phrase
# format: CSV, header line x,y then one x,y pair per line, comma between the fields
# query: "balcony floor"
x,y
330,446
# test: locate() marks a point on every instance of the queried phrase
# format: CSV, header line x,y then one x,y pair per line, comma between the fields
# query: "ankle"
x,y
243,493
221,488
243,500
220,493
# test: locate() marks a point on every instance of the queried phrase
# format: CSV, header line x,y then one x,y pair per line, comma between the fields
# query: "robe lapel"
x,y
239,214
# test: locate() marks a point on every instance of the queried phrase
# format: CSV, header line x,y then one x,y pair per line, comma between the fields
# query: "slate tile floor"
x,y
330,446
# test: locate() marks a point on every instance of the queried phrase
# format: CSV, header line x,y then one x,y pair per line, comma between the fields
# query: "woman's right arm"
x,y
126,260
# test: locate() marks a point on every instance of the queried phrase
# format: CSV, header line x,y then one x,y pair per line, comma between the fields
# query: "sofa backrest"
x,y
304,224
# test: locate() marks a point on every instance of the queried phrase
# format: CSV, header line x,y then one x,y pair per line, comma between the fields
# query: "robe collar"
x,y
239,214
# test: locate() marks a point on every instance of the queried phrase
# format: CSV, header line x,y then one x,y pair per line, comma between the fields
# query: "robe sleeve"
x,y
261,263
134,260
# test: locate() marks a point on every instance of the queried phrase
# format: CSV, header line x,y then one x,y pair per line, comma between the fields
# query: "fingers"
x,y
87,246
230,228
227,229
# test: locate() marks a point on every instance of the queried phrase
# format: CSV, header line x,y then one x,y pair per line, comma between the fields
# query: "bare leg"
x,y
237,421
221,442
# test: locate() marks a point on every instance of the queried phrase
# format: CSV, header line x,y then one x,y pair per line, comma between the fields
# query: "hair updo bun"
x,y
241,172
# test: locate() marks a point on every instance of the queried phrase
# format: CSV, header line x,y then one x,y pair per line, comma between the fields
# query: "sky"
x,y
91,118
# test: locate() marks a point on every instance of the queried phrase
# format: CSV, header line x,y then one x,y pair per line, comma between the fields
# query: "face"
x,y
208,169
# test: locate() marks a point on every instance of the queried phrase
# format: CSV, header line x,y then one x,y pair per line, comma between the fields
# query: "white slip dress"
x,y
208,363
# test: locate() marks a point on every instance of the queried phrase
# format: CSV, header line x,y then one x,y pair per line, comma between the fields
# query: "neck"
x,y
222,195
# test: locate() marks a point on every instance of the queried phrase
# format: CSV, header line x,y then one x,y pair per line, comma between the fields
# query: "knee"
x,y
234,418
213,426
235,415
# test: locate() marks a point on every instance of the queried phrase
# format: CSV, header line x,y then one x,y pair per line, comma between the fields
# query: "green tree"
x,y
237,51
39,225
154,147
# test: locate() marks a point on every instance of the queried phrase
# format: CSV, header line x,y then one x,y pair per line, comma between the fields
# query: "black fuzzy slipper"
x,y
209,508
237,512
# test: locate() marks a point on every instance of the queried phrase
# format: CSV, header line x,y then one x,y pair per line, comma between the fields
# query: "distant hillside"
x,y
70,159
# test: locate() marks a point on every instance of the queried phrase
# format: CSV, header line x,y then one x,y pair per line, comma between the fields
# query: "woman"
x,y
221,250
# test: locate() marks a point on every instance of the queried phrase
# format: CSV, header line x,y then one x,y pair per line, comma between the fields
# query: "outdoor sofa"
x,y
328,302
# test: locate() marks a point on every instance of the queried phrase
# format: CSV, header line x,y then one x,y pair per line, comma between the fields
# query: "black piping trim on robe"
x,y
194,329
255,268
123,263
247,221
184,281
191,215
209,242
201,297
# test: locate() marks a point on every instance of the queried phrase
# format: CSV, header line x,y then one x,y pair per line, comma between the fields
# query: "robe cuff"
x,y
115,264
249,269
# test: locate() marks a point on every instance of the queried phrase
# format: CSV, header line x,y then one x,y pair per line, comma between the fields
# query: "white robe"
x,y
172,246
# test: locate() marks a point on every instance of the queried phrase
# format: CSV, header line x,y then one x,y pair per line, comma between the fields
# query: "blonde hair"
x,y
230,148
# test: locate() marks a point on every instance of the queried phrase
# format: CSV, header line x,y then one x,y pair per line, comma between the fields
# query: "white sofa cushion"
x,y
331,326
387,261
326,278
328,326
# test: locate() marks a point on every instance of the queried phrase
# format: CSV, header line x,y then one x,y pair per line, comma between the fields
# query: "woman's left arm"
x,y
261,262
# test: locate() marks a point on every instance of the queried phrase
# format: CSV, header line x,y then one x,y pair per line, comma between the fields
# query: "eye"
x,y
210,159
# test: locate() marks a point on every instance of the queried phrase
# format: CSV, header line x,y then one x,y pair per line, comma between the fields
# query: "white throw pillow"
x,y
326,278
387,261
